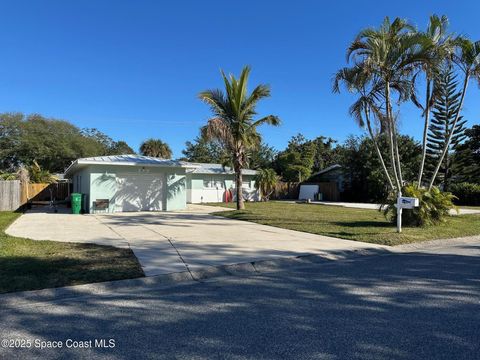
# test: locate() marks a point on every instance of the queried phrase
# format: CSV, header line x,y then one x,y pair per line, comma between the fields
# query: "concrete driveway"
x,y
168,242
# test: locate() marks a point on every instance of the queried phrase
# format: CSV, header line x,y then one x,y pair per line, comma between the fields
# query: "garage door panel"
x,y
140,192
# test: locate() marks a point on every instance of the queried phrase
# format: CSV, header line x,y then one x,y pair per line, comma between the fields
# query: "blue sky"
x,y
133,68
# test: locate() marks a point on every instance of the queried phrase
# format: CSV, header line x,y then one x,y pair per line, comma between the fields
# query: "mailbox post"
x,y
404,203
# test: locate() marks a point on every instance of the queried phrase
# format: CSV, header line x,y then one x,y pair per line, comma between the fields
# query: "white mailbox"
x,y
407,202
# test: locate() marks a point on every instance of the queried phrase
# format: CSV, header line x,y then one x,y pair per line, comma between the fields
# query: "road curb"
x,y
158,282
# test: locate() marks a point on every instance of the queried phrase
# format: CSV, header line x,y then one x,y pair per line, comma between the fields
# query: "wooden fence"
x,y
14,194
285,191
44,192
10,195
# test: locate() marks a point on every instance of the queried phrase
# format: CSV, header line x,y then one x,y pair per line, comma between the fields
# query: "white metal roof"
x,y
126,160
139,160
205,168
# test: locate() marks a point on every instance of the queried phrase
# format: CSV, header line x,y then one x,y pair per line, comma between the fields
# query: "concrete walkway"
x,y
168,242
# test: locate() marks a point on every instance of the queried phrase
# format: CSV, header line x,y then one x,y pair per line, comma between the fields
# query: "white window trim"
x,y
212,180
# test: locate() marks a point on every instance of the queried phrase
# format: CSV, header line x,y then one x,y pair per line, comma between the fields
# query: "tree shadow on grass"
x,y
354,224
87,264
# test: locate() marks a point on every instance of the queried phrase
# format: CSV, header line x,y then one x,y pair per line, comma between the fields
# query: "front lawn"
x,y
348,223
29,264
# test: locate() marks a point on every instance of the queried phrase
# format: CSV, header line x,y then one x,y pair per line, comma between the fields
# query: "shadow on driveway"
x,y
408,306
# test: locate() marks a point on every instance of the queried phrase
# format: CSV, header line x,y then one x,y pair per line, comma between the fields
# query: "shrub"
x,y
266,181
434,206
466,193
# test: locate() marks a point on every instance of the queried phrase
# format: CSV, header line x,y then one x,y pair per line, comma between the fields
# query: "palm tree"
x,y
370,92
391,53
467,58
265,182
438,46
38,175
233,121
156,148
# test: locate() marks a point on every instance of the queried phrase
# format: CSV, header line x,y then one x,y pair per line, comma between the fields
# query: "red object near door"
x,y
227,196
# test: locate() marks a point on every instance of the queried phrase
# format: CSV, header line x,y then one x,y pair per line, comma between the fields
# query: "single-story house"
x,y
328,183
141,183
333,173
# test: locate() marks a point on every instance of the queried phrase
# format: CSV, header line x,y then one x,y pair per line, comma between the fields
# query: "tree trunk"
x,y
425,131
446,173
449,140
375,144
390,133
239,185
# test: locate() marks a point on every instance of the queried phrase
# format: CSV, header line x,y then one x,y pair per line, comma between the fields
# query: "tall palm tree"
x,y
467,58
366,107
392,53
437,45
233,121
156,148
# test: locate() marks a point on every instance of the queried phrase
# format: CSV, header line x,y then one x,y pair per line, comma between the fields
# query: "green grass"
x,y
29,264
348,223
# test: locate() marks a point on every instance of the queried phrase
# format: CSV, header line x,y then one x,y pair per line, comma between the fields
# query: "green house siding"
x,y
103,185
176,194
133,188
199,191
101,182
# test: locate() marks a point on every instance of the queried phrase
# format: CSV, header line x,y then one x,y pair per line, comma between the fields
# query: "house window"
x,y
213,183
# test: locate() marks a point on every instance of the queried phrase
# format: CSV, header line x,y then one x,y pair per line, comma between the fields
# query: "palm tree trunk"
x,y
239,186
425,131
397,153
375,144
390,125
449,140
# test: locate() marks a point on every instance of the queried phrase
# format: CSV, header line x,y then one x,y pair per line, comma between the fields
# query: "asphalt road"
x,y
420,305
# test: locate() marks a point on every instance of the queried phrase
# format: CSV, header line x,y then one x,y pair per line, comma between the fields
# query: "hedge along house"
x,y
141,183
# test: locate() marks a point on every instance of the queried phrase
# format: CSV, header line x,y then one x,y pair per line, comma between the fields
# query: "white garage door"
x,y
139,192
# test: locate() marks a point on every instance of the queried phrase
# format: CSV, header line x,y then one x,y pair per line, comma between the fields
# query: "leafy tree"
x,y
120,148
467,59
261,157
156,148
10,137
296,162
204,150
52,143
365,180
107,146
104,141
265,182
445,108
325,153
302,157
233,121
467,156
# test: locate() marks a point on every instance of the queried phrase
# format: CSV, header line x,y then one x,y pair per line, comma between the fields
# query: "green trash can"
x,y
76,203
